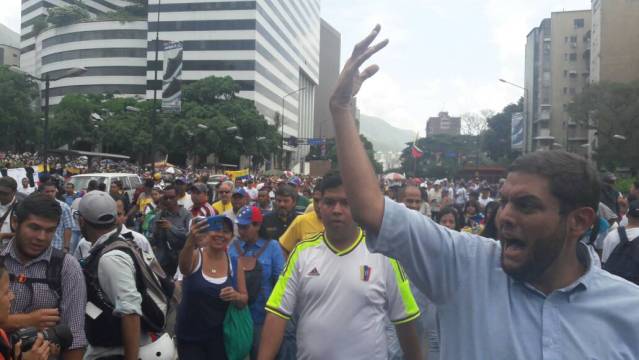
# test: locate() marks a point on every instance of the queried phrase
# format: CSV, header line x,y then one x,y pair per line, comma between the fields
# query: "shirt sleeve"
x,y
435,258
610,242
67,217
116,273
402,307
277,261
284,296
73,302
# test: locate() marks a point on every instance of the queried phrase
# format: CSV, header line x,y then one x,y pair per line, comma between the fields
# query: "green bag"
x,y
238,332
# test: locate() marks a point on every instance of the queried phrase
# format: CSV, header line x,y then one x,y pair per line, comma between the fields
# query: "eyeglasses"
x,y
223,192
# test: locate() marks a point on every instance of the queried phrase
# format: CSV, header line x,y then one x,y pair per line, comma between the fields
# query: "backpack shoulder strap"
x,y
262,249
237,247
623,236
54,271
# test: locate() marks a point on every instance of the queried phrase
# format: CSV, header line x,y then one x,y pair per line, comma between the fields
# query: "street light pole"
x,y
45,151
282,121
154,115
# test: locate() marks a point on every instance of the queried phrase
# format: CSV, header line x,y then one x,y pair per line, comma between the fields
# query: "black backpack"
x,y
252,271
624,259
53,277
151,282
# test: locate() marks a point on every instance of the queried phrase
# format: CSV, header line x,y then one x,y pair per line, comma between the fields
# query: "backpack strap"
x,y
623,236
54,271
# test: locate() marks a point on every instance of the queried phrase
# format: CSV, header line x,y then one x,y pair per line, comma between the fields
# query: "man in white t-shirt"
x,y
341,294
632,231
485,198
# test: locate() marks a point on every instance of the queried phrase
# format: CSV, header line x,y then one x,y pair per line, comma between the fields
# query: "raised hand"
x,y
350,79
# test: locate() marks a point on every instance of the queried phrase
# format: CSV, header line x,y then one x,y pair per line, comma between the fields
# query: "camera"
x,y
59,335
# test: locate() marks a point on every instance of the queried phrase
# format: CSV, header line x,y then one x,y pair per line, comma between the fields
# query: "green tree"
x,y
67,15
209,108
18,114
496,139
71,121
611,109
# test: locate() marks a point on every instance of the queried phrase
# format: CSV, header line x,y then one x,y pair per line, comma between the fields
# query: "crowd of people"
x,y
540,265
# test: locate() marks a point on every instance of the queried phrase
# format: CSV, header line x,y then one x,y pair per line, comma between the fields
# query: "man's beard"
x,y
543,254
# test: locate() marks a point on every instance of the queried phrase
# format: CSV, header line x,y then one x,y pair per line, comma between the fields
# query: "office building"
x,y
443,124
615,41
269,47
9,47
330,45
557,68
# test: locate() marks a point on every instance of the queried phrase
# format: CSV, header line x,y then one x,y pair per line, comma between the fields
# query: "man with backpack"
x,y
127,302
263,262
620,250
48,284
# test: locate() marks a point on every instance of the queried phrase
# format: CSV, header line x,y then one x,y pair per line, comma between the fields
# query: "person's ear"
x,y
14,223
579,221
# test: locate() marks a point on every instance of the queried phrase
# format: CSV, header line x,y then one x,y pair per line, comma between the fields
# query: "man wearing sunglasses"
x,y
224,194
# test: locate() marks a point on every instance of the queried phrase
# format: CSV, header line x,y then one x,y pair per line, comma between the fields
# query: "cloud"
x,y
10,15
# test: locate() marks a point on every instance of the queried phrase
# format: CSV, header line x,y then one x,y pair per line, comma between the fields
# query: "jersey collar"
x,y
348,250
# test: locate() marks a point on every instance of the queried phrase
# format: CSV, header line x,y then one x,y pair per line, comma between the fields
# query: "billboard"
x,y
171,82
517,132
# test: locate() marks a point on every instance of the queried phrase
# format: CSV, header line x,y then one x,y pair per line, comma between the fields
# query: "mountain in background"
x,y
384,136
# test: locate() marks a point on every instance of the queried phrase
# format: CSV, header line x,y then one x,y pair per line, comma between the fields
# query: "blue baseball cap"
x,y
216,223
240,191
248,215
295,181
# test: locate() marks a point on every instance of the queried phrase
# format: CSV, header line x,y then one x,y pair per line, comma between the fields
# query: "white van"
x,y
130,181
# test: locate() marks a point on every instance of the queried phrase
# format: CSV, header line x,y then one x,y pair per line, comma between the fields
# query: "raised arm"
x,y
364,196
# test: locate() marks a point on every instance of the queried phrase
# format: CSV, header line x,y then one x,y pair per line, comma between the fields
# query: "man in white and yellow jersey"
x,y
340,293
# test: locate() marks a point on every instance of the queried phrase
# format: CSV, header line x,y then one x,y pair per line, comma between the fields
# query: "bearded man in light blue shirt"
x,y
533,294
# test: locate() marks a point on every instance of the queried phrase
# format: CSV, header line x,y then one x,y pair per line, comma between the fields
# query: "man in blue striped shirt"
x,y
62,237
532,295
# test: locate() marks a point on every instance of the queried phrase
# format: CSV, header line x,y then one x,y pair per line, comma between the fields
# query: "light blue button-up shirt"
x,y
485,314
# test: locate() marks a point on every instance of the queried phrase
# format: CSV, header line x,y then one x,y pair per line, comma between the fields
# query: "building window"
x,y
573,91
573,57
565,73
579,23
573,39
565,91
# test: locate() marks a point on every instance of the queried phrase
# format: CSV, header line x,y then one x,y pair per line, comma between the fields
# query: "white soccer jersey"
x,y
342,299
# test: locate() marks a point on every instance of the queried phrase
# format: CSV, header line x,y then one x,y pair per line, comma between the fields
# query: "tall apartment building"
x,y
330,50
443,124
557,68
615,41
270,47
9,47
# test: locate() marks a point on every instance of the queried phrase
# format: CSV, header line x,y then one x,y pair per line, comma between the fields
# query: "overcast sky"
x,y
443,55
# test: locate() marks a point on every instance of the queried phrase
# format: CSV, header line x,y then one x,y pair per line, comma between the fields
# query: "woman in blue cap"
x,y
208,289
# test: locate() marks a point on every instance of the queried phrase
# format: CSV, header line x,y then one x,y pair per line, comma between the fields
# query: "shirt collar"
x,y
259,243
106,236
582,283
